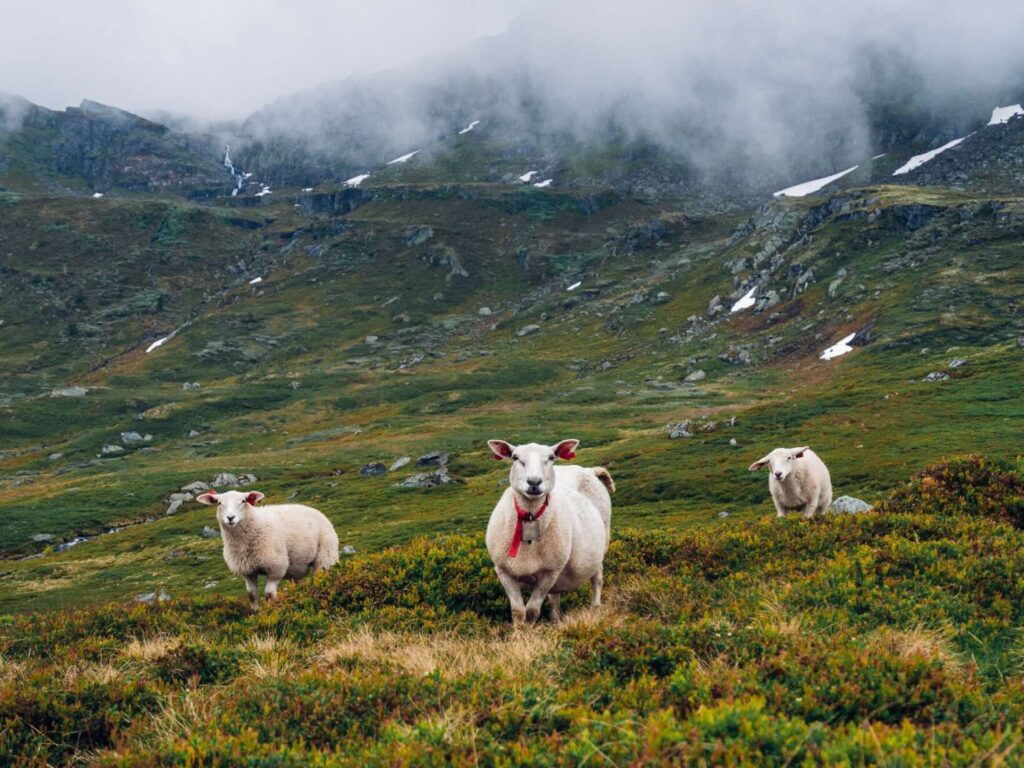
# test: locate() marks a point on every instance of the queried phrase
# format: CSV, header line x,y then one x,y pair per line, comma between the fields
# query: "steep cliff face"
x,y
98,147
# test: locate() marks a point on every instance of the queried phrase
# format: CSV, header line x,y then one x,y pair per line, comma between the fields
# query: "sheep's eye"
x,y
514,457
551,457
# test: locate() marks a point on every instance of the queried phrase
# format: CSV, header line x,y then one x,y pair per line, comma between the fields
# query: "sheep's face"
x,y
232,506
533,465
780,462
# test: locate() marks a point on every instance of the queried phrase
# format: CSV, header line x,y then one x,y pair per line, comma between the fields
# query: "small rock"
x,y
132,438
55,456
210,533
69,392
484,311
295,385
194,433
373,470
175,500
936,376
848,505
148,598
956,362
526,330
197,486
663,297
110,449
427,479
679,430
40,538
732,441
225,480
715,305
1020,342
722,515
399,463
371,339
606,365
348,549
188,385
432,459
210,585
697,375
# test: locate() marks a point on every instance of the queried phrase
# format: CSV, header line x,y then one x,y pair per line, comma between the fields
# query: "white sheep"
x,y
545,536
278,541
797,479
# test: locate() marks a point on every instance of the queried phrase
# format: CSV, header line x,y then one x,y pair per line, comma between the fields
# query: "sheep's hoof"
x,y
532,614
519,618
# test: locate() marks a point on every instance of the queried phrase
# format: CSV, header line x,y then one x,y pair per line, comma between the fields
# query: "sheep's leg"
x,y
515,596
252,586
270,591
810,508
596,583
780,511
555,601
539,591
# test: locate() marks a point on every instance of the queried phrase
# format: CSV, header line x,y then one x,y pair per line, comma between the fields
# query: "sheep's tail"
x,y
605,477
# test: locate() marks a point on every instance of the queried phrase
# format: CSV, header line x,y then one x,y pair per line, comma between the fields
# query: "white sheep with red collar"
x,y
797,479
571,519
278,541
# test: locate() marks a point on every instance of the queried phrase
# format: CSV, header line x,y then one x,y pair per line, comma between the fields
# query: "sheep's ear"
x,y
210,497
254,498
760,463
566,449
798,453
500,449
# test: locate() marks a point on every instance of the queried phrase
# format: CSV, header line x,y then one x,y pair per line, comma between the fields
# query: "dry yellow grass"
x,y
920,642
516,653
272,658
150,648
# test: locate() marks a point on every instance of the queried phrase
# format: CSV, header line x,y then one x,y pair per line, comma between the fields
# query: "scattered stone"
x,y
210,585
195,487
956,362
663,297
194,433
55,456
225,480
175,500
936,376
722,515
427,479
42,538
188,385
69,392
678,430
210,533
697,375
1020,342
399,463
848,505
484,311
715,305
371,339
606,365
348,549
432,459
526,330
295,385
64,546
732,441
149,598
373,470
134,438
110,449
417,235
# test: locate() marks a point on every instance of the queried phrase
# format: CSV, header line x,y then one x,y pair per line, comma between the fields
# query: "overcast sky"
x,y
221,58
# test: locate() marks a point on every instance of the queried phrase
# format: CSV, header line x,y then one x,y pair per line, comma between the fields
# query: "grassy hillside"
x,y
888,638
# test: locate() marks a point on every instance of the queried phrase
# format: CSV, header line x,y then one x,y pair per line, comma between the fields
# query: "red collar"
x,y
522,514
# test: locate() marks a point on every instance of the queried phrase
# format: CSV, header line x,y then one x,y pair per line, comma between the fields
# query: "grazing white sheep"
x,y
547,536
278,541
798,479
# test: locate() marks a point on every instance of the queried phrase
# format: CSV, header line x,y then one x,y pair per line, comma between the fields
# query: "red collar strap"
x,y
522,514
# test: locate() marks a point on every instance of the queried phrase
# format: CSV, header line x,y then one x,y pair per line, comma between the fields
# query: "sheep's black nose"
x,y
534,481
778,475
230,518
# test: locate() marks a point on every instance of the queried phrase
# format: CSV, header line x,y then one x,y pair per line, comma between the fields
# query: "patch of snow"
x,y
469,127
542,184
746,302
256,280
265,191
403,158
574,286
355,181
918,160
878,156
307,189
810,187
246,175
97,194
158,343
525,178
840,348
1002,115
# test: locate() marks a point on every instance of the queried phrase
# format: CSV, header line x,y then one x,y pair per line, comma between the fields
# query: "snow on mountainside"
x,y
810,187
918,160
1002,115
